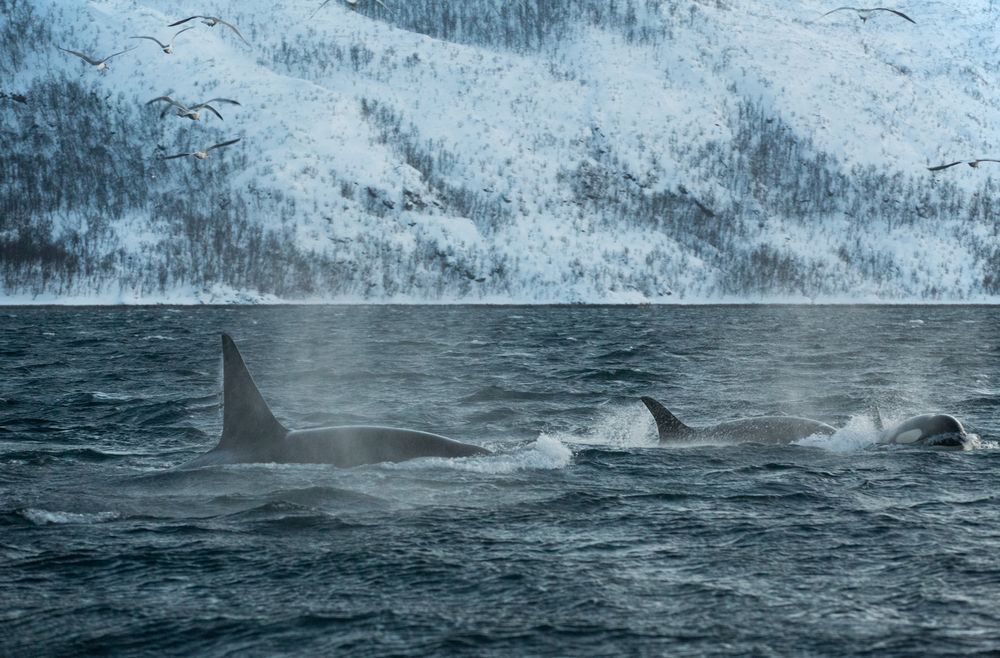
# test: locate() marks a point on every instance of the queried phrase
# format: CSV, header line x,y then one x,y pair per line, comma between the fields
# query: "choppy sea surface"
x,y
580,536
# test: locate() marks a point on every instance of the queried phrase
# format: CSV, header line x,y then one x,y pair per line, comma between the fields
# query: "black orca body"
x,y
761,429
251,433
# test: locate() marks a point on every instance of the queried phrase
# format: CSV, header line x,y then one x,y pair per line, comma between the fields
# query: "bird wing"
x,y
987,160
219,146
217,100
167,99
121,52
945,166
81,56
209,108
841,9
171,157
161,45
233,28
189,18
325,3
383,5
893,11
189,27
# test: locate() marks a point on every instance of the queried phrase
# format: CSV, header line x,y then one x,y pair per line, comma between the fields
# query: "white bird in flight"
x,y
972,163
865,13
191,112
169,46
212,21
201,155
99,64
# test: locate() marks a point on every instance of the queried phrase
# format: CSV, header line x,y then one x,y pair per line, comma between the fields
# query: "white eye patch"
x,y
908,436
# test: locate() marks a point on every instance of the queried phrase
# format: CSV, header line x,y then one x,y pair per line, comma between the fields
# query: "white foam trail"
x,y
620,427
45,517
858,434
545,454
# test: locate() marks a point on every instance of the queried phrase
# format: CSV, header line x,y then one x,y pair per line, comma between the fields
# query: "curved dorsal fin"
x,y
247,421
667,424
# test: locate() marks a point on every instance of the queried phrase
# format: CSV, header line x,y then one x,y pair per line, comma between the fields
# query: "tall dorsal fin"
x,y
667,424
247,421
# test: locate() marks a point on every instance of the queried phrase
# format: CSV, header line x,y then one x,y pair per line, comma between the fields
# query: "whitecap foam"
x,y
621,427
977,442
101,395
544,454
46,517
858,434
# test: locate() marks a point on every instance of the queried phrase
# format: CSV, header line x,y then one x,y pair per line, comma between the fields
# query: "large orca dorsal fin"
x,y
667,424
247,421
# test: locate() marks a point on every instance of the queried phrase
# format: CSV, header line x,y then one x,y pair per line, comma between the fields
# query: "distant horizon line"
x,y
508,304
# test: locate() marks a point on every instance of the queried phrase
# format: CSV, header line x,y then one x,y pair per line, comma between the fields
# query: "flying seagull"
x,y
212,21
192,111
99,64
169,46
865,14
353,4
201,155
972,163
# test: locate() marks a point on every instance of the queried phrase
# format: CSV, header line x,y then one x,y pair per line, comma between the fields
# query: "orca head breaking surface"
x,y
252,434
935,430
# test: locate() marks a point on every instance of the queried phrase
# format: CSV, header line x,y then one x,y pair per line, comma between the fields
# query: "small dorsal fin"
x,y
247,421
877,416
667,424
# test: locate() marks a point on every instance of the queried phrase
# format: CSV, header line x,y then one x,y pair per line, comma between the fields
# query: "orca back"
x,y
251,433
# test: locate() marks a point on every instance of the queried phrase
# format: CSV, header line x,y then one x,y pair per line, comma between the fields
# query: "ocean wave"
x,y
497,393
42,457
283,515
50,517
118,397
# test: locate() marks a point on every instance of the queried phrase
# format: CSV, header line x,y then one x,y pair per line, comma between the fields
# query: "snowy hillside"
x,y
500,151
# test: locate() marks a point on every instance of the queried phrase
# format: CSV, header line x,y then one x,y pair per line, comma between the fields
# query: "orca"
x,y
251,433
935,430
759,429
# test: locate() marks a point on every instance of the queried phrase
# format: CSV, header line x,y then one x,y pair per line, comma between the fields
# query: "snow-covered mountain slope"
x,y
501,151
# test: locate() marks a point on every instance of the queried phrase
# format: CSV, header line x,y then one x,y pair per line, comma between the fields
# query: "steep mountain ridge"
x,y
497,151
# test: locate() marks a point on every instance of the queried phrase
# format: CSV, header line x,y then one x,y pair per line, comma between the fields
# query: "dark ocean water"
x,y
580,537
